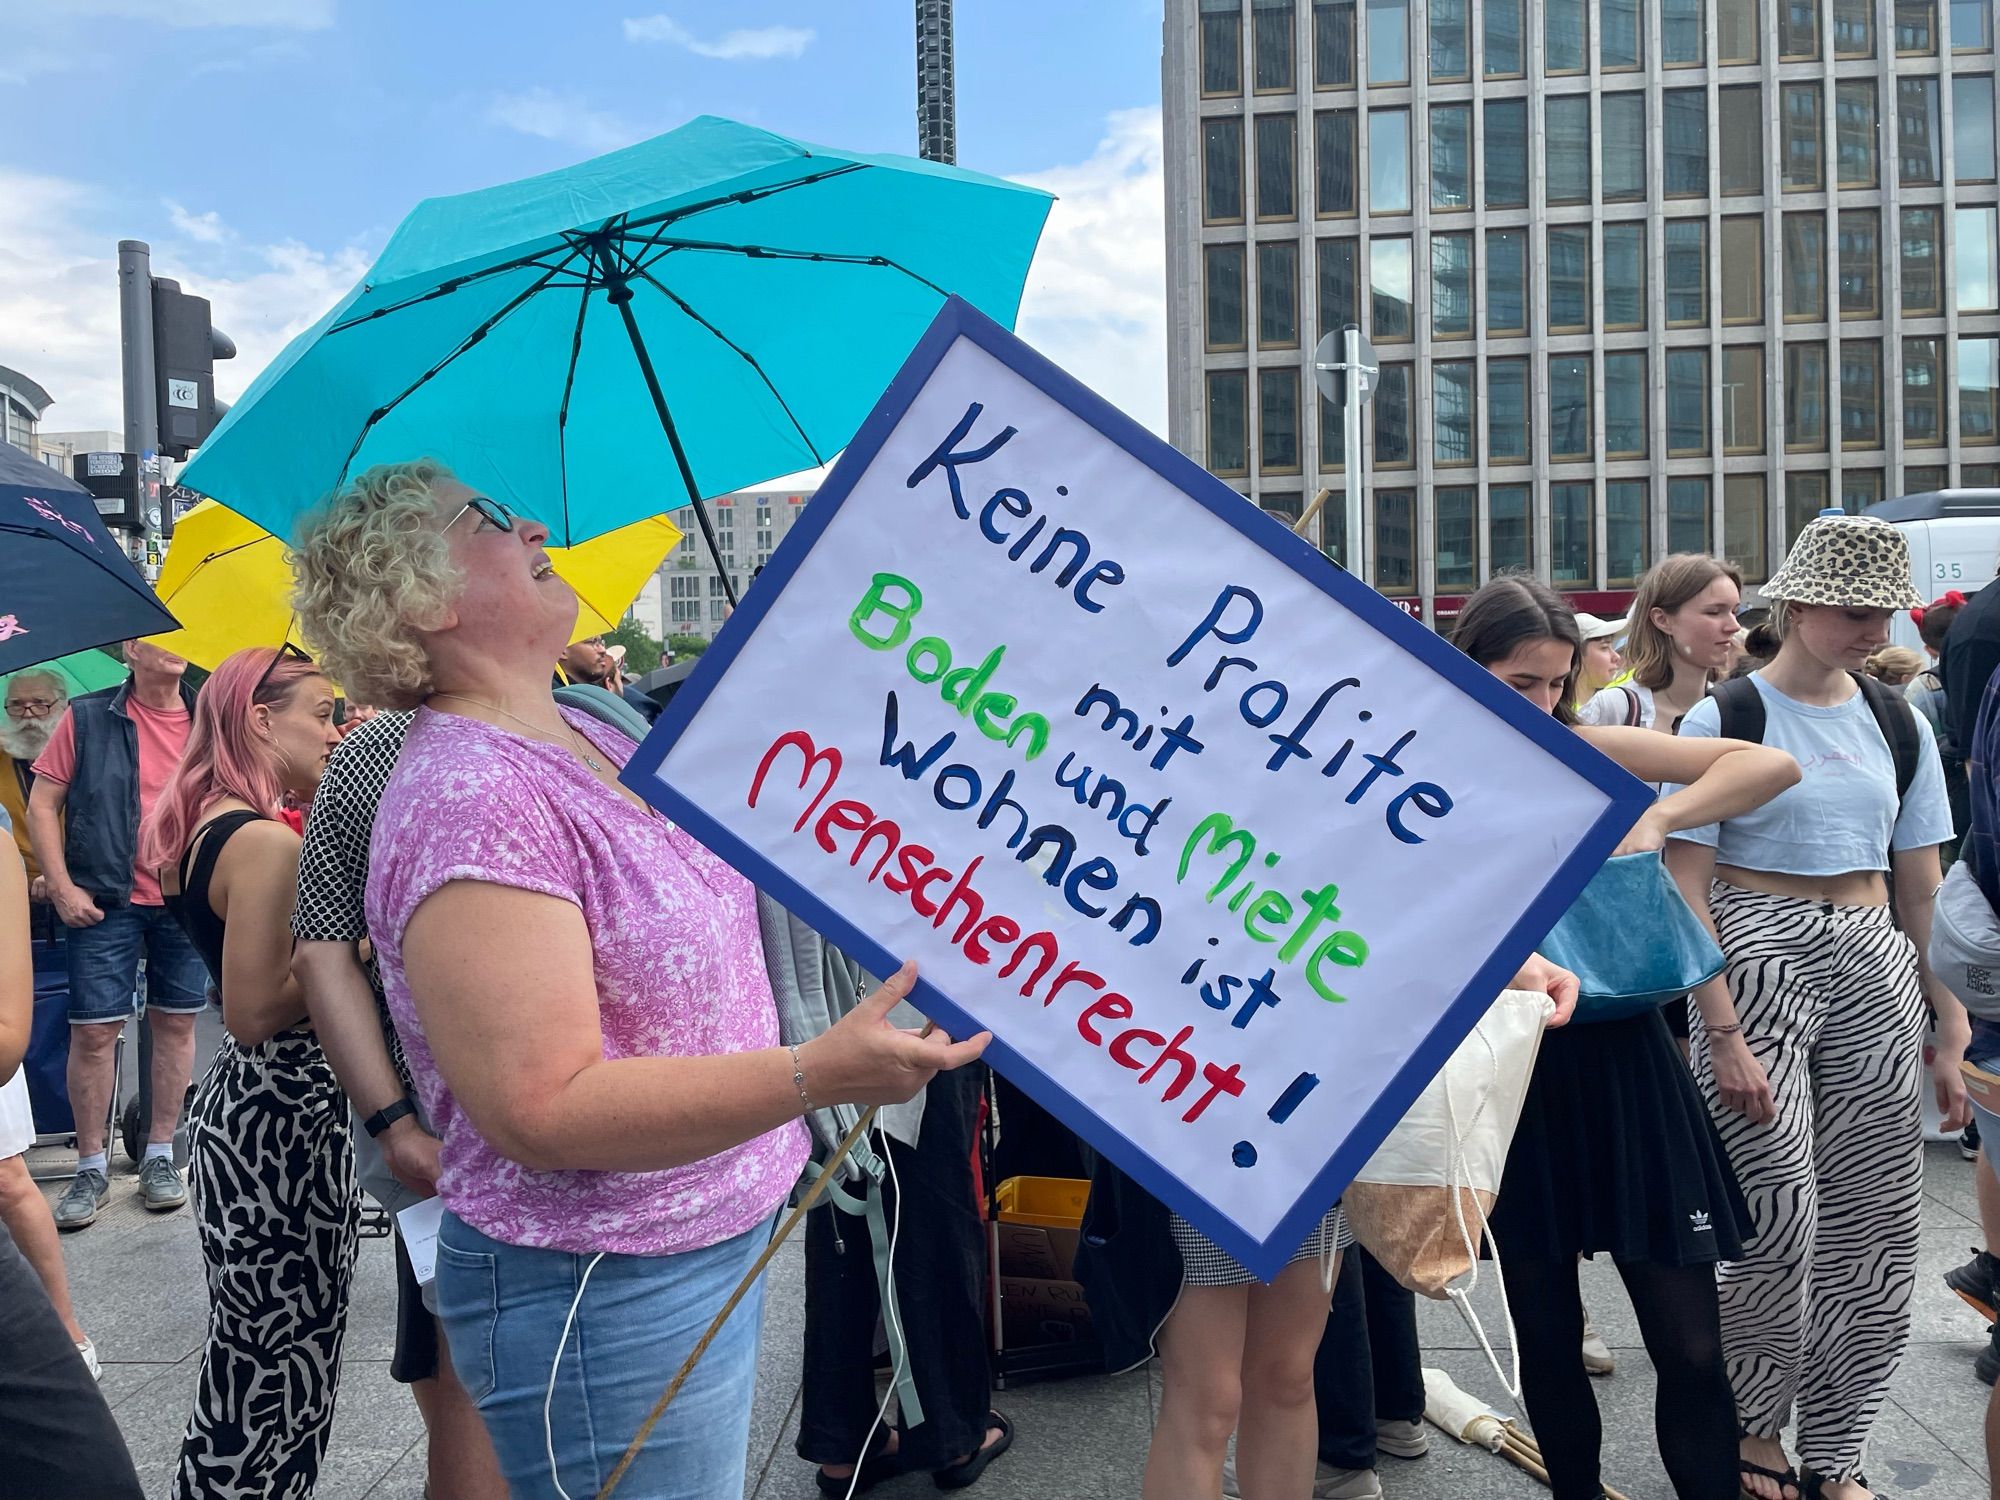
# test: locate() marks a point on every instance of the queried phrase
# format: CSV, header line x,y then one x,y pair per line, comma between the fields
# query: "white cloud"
x,y
206,228
59,291
298,15
755,44
1096,297
558,117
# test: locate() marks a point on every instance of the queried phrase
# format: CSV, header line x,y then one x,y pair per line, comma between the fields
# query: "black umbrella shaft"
x,y
674,440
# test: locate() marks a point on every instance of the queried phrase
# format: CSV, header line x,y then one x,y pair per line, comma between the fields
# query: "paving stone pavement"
x,y
137,1283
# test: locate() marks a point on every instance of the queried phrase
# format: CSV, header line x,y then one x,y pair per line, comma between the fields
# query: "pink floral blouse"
x,y
679,970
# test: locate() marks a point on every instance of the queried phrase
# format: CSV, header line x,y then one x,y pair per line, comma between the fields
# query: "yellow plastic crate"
x,y
1051,1202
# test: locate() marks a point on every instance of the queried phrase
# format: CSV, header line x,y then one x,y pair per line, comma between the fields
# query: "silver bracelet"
x,y
799,1081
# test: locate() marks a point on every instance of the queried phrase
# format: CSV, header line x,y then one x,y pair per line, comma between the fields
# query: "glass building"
x,y
1644,275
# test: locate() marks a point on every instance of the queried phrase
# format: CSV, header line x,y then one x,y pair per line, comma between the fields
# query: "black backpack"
x,y
1741,709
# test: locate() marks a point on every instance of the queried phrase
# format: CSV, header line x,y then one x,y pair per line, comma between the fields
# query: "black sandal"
x,y
876,1467
1815,1485
1781,1477
966,1472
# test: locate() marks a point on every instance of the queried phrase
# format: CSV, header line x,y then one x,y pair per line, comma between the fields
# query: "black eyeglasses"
x,y
288,650
493,512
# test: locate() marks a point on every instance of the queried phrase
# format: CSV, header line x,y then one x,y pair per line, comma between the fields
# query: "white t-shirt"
x,y
1613,706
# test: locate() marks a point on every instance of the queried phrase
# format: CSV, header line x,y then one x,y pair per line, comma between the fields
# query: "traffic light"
x,y
185,348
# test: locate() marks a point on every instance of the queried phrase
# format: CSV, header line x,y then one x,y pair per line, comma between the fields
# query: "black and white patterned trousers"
x,y
1817,1313
271,1166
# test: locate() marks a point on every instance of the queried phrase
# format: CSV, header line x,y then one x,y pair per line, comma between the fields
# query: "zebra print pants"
x,y
271,1167
1817,1313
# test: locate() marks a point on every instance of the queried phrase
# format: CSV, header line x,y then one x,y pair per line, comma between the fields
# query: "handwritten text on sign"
x,y
1211,855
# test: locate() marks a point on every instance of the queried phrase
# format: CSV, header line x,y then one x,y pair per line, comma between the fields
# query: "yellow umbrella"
x,y
226,580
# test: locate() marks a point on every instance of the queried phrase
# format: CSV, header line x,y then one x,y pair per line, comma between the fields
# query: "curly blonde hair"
x,y
371,570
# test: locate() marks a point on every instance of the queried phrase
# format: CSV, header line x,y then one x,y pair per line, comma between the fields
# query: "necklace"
x,y
582,747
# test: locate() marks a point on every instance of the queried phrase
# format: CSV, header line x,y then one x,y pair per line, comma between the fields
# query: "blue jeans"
x,y
1983,1051
503,1308
104,966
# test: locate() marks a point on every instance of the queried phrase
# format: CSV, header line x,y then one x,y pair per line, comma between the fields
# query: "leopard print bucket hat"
x,y
1850,562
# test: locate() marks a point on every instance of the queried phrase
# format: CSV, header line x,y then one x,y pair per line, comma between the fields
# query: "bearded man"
x,y
34,704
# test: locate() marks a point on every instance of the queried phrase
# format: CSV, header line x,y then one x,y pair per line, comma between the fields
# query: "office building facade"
x,y
1644,276
749,524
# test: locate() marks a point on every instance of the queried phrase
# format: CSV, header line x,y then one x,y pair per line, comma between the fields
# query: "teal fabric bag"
x,y
1631,941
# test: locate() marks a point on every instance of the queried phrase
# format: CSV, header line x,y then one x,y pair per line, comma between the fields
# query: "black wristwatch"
x,y
383,1118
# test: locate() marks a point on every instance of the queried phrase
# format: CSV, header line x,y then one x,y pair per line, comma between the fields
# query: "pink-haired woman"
x,y
272,1168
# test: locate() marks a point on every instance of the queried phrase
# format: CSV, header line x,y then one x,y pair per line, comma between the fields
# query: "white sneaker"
x,y
1346,1484
1402,1439
89,1352
1596,1354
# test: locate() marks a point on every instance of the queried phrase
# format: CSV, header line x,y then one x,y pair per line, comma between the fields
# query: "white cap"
x,y
1594,629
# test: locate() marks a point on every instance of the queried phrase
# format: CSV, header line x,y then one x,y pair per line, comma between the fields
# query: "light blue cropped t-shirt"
x,y
1842,814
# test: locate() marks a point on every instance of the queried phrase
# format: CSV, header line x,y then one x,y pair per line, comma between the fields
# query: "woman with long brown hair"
x,y
1679,638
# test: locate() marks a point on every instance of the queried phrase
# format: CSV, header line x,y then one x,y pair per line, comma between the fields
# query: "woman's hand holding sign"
x,y
863,1059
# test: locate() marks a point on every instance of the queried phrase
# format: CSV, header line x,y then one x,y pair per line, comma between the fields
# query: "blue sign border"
x,y
1628,797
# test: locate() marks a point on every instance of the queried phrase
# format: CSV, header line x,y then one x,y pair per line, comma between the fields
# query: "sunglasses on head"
x,y
284,652
495,513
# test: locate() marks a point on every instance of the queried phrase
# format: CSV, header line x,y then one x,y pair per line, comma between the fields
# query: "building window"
x,y
1451,156
1853,28
1972,127
1919,133
1861,393
1805,398
1569,278
1619,48
1569,406
1924,479
1739,121
1688,527
1221,47
1569,149
1228,422
1451,40
1916,28
1624,532
1979,476
1923,392
1333,163
1396,540
1978,391
1271,33
1743,524
1737,29
1278,294
1503,29
1277,421
1506,281
1277,167
1507,438
1284,507
1805,498
1743,398
1625,405
1743,270
1686,256
1457,532
1222,171
1682,31
1854,130
1222,281
1392,315
1687,404
1569,534
1339,294
1333,44
1971,26
1860,263
1333,447
1506,153
1565,35
1388,42
1974,250
1798,30
1510,528
1923,276
1333,533
1800,135
1805,268
1624,165
1388,161
1451,286
1394,414
1453,439
1625,275
1684,142
1859,489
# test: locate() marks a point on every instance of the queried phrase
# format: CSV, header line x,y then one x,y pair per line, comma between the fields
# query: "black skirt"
x,y
1615,1153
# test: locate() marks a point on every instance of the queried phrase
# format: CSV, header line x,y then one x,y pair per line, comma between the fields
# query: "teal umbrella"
x,y
682,318
86,671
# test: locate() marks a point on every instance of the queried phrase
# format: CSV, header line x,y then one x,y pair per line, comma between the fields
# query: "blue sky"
x,y
280,140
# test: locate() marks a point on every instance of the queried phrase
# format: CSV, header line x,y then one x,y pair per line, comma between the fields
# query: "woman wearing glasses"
x,y
271,1166
583,1005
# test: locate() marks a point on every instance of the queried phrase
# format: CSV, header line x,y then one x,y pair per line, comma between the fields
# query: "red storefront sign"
x,y
1610,605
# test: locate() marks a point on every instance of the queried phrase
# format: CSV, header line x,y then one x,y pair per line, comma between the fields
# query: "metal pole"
x,y
1351,412
135,319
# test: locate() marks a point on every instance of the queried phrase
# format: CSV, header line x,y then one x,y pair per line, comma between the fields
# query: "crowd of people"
x,y
455,957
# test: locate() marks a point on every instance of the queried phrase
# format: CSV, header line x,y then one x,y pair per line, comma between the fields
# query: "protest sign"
x,y
1226,851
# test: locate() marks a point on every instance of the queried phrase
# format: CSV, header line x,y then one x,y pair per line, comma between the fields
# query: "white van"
x,y
1954,538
